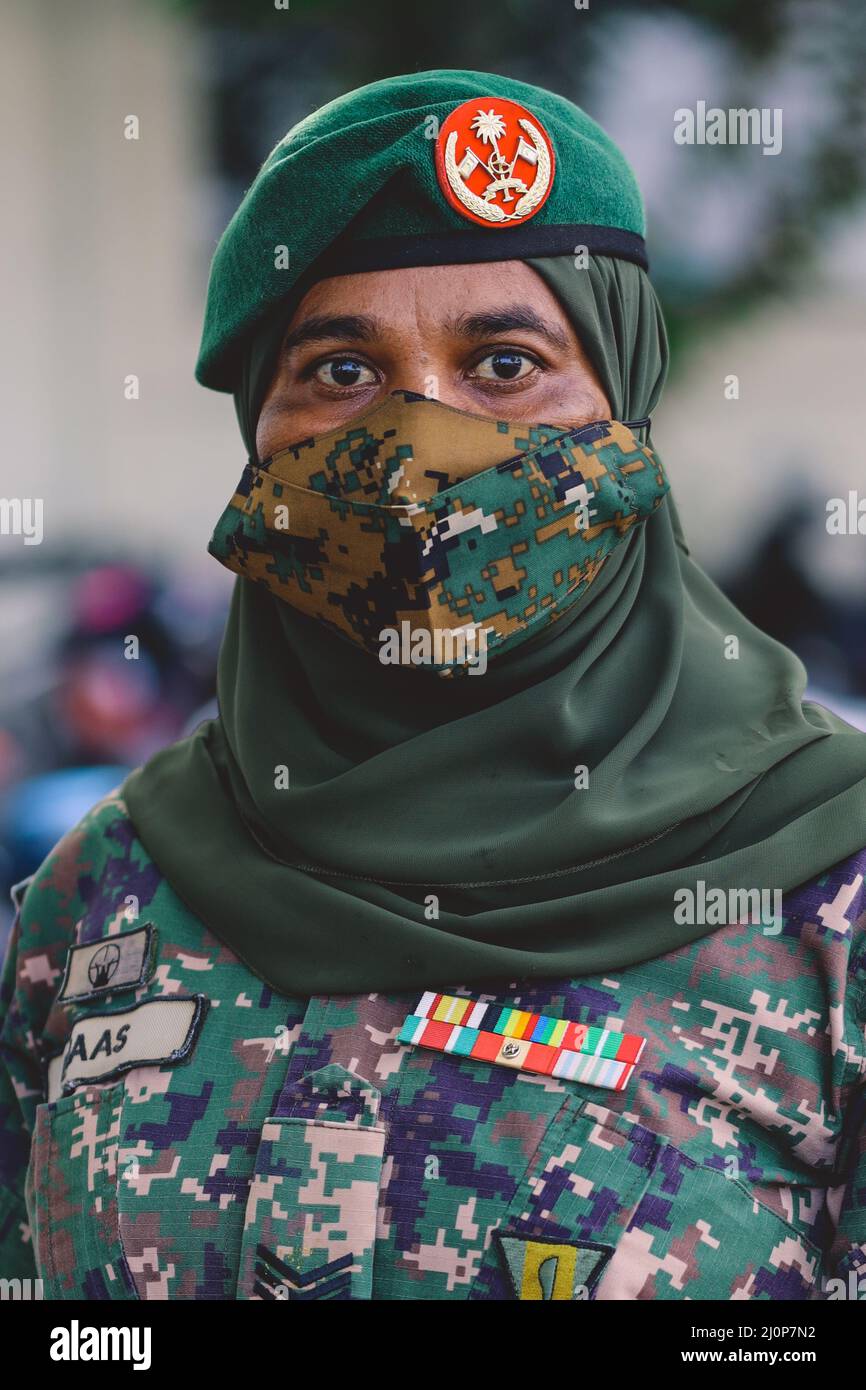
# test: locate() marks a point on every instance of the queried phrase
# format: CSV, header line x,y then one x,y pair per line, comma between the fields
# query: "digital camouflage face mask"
x,y
434,537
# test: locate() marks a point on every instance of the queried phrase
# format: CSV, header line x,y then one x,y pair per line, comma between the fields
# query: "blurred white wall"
x,y
103,269
797,429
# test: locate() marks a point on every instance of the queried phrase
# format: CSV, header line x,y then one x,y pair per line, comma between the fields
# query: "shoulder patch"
x,y
112,963
158,1032
548,1270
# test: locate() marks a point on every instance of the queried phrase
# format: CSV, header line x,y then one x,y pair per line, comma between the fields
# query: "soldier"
x,y
503,936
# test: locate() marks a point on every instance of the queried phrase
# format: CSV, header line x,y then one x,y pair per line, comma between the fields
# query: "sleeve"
x,y
20,1084
845,1269
845,1263
50,905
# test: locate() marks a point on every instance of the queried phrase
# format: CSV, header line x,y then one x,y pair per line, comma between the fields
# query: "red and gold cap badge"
x,y
494,162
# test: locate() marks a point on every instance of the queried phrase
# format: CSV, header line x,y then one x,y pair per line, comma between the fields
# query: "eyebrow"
x,y
358,328
511,316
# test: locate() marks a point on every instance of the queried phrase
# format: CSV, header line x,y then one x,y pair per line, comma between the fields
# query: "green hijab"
x,y
432,834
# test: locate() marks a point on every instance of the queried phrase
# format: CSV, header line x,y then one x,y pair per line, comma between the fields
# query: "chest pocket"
x,y
72,1196
310,1225
624,1214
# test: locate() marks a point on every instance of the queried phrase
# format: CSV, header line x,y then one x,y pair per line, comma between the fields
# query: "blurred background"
x,y
759,260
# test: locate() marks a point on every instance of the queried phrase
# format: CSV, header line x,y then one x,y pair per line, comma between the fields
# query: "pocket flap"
x,y
332,1093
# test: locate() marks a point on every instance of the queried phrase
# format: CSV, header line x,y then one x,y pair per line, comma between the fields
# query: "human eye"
x,y
343,370
504,365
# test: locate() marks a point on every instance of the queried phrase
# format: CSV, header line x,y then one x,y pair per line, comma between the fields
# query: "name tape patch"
x,y
516,1038
159,1032
115,962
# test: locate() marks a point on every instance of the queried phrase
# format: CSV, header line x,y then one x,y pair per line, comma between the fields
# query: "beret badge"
x,y
494,161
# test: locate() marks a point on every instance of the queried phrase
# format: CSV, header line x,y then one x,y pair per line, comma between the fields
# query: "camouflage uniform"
x,y
297,1150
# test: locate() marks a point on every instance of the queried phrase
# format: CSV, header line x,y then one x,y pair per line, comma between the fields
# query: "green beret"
x,y
377,179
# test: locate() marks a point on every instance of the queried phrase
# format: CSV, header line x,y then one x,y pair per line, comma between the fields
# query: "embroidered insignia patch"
x,y
516,1038
494,161
277,1280
547,1270
159,1032
112,963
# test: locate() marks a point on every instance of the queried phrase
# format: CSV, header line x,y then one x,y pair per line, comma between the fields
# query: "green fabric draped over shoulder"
x,y
432,833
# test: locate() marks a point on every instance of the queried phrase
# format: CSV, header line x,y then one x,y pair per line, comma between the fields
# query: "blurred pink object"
x,y
104,598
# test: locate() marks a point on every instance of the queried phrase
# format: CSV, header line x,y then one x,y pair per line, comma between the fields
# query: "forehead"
x,y
431,293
